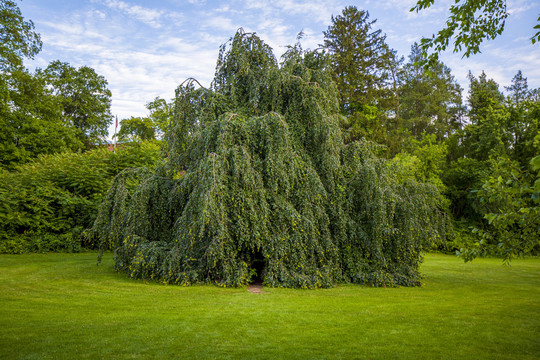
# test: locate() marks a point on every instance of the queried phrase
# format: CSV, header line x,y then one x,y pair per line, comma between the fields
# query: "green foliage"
x,y
423,161
484,95
524,120
535,166
460,178
17,36
258,172
488,136
35,212
136,129
147,128
365,123
30,119
84,97
360,59
519,90
469,24
161,113
489,132
489,187
511,205
364,69
48,202
430,102
52,111
536,37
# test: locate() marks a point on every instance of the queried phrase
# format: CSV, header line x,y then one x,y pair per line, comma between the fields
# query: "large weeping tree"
x,y
259,183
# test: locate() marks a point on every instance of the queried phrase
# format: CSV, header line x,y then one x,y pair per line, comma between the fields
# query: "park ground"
x,y
63,306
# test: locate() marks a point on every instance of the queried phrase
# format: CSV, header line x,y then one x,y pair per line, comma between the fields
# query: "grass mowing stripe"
x,y
63,306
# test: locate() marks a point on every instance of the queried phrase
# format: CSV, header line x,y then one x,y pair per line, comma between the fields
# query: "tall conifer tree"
x,y
430,103
362,66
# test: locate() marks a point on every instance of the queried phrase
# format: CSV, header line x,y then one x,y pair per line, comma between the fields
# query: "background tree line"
x,y
481,154
53,172
56,109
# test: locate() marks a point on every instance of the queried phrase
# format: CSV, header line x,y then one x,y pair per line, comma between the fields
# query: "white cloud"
x,y
137,68
518,7
142,62
220,24
148,16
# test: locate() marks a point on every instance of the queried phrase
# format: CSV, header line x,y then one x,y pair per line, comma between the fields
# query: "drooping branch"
x,y
257,171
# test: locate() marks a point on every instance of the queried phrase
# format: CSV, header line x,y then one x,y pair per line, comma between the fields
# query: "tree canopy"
x,y
31,120
84,97
429,103
273,171
260,183
149,127
56,109
469,24
360,59
364,69
17,37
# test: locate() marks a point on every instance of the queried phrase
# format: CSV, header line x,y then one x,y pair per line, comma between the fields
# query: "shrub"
x,y
46,203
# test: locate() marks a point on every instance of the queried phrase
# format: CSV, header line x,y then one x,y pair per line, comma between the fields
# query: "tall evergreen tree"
x,y
362,64
483,94
430,102
524,122
519,90
488,132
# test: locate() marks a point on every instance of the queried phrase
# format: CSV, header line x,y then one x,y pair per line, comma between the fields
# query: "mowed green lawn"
x,y
63,306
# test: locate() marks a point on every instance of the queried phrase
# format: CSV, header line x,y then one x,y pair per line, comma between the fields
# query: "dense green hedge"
x,y
45,205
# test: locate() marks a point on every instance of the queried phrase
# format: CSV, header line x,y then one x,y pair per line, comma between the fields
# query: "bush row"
x,y
45,205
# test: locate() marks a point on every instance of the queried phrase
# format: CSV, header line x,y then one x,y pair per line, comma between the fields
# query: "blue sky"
x,y
147,48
